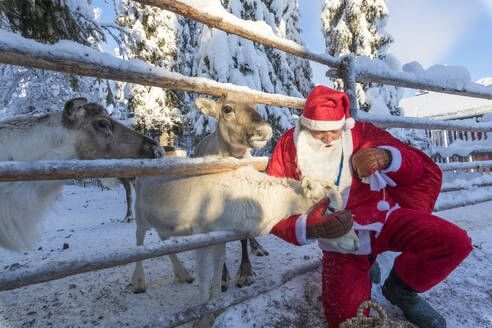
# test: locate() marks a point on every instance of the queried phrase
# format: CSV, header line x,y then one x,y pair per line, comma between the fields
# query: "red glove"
x,y
368,160
319,225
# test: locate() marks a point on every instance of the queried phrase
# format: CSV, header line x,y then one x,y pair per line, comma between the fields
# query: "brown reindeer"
x,y
81,131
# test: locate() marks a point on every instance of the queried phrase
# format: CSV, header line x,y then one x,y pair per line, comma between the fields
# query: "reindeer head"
x,y
100,136
238,120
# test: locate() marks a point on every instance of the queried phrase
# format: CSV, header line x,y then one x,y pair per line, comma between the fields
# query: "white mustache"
x,y
334,142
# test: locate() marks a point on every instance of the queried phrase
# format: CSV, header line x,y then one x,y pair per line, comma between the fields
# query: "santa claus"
x,y
388,189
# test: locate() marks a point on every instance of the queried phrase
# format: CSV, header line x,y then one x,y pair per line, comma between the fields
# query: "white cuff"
x,y
378,181
395,161
301,231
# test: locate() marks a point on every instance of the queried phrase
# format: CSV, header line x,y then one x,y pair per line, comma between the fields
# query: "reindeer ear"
x,y
208,106
74,112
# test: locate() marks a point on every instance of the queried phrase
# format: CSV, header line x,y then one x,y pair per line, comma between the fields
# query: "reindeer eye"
x,y
103,124
227,109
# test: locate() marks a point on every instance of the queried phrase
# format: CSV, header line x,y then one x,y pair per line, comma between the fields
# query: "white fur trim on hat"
x,y
349,123
322,125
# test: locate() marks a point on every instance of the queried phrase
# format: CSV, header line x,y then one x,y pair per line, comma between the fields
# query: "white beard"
x,y
315,160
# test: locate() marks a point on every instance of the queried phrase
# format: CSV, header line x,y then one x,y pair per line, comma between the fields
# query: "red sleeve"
x,y
411,162
411,169
418,179
285,229
276,165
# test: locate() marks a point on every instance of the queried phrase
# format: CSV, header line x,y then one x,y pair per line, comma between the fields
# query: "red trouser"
x,y
431,249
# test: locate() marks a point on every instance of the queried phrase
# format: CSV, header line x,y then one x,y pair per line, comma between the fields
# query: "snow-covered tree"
x,y
38,91
229,58
151,35
357,26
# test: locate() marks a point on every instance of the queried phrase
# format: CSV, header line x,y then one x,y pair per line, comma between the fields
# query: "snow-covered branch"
x,y
75,169
211,14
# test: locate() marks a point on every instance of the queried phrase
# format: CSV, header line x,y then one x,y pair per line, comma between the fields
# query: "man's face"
x,y
327,137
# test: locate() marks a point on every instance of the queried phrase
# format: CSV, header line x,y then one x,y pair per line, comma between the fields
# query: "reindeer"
x,y
243,200
240,128
81,131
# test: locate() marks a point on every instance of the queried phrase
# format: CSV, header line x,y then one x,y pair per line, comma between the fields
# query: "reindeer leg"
x,y
129,200
256,248
180,272
138,278
245,274
226,278
206,258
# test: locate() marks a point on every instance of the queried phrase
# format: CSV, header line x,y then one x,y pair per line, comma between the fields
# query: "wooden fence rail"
x,y
246,29
55,270
89,62
125,168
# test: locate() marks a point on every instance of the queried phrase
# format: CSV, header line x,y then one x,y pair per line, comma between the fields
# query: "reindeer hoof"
x,y
188,280
259,251
139,291
128,219
245,280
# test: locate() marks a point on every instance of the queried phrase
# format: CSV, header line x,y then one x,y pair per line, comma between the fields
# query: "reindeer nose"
x,y
158,151
152,149
264,131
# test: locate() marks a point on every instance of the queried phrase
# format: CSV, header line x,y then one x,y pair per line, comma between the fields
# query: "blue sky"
x,y
451,32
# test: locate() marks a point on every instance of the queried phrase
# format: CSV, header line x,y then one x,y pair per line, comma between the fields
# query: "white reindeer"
x,y
81,131
240,128
244,200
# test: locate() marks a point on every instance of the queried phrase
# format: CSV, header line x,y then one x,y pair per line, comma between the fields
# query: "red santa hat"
x,y
326,109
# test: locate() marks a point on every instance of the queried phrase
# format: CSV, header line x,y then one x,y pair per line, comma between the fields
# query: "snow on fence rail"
x,y
126,168
59,269
70,57
260,32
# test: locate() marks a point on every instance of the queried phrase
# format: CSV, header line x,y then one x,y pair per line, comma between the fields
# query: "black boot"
x,y
415,308
375,272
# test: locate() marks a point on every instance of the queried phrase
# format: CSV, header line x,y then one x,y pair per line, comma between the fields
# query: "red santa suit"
x,y
391,210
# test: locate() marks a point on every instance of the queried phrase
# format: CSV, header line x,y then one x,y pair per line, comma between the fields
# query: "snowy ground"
x,y
86,220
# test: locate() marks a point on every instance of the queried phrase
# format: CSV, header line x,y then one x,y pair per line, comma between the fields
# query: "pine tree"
x,y
38,91
151,35
357,26
244,62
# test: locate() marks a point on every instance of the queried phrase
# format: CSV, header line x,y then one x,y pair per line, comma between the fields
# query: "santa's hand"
x,y
334,225
368,160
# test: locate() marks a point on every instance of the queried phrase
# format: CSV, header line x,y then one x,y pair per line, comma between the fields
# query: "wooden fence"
x,y
16,51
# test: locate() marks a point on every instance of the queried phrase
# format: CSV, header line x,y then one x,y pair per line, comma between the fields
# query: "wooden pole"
x,y
465,165
231,24
59,269
93,63
125,168
195,312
